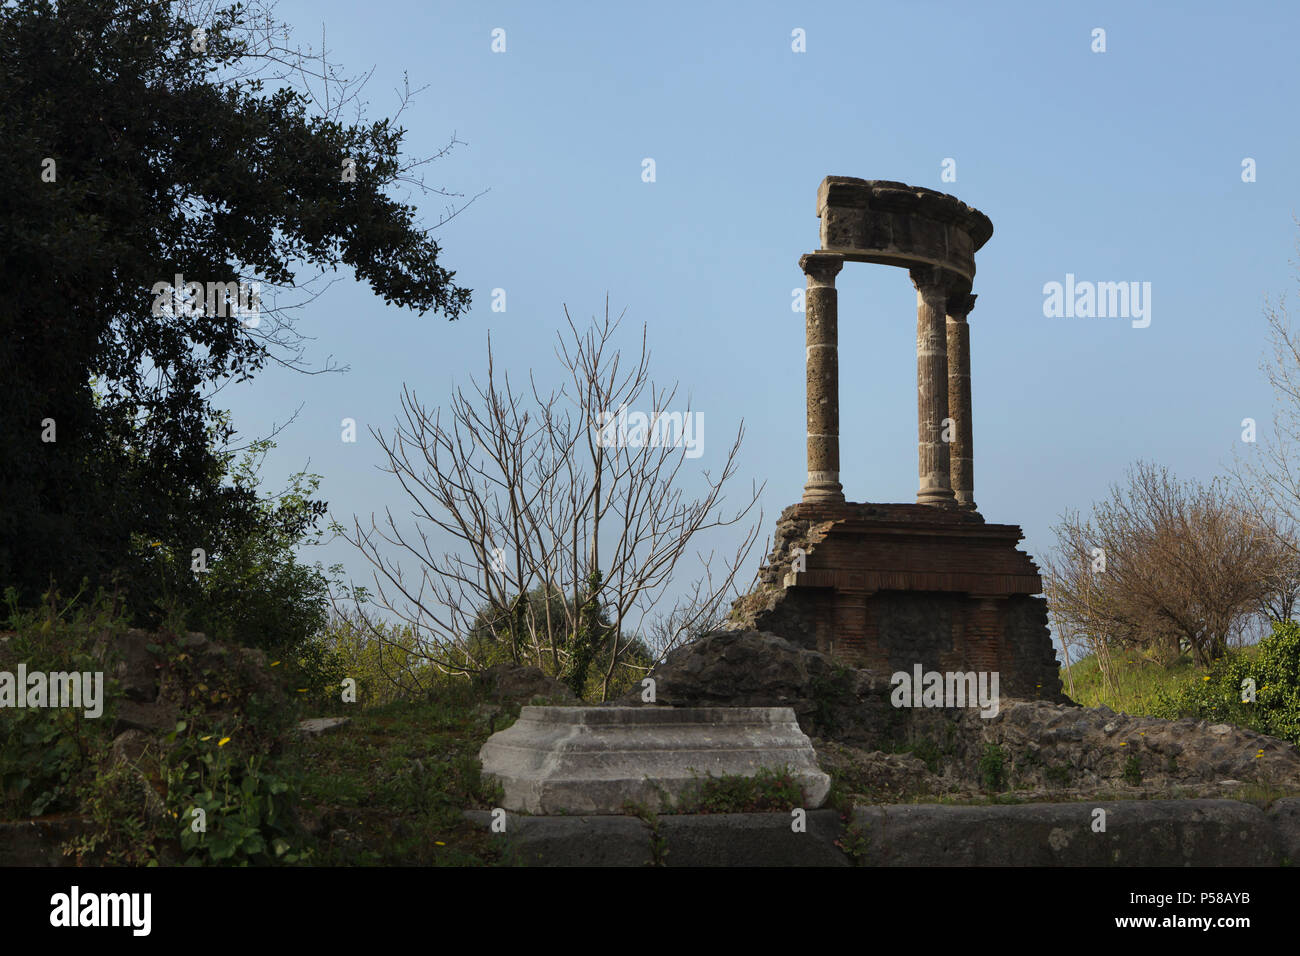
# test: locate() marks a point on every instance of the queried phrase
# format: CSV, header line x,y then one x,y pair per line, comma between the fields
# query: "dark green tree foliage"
x,y
161,166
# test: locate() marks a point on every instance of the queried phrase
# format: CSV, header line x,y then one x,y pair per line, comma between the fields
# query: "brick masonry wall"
x,y
887,587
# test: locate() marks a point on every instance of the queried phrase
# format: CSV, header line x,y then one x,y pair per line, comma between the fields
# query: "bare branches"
x,y
559,531
1163,566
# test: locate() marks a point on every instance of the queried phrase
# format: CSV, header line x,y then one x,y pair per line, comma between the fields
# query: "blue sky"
x,y
1117,166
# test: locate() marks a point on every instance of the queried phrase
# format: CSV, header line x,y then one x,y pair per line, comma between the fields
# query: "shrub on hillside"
x,y
48,753
1218,695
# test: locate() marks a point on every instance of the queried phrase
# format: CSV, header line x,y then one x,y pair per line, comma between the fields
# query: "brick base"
x,y
889,586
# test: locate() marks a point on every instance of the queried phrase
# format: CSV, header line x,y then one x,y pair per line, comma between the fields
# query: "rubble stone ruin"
x,y
890,586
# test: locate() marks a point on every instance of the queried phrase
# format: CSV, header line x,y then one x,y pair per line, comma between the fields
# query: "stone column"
x,y
932,387
821,317
961,448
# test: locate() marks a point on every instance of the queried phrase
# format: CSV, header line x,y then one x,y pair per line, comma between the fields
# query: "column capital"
x,y
821,268
932,285
960,306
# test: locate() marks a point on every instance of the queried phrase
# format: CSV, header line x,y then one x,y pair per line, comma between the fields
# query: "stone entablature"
x,y
875,220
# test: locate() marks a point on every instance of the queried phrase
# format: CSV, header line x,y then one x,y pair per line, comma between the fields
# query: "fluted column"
x,y
932,387
821,318
961,448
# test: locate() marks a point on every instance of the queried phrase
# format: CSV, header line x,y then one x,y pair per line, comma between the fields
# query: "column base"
x,y
937,499
823,486
835,494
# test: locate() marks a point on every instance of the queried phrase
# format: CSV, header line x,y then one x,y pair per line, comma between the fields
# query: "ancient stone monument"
x,y
597,759
889,586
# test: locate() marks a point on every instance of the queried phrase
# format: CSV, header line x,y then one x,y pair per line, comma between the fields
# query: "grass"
x,y
1138,679
395,781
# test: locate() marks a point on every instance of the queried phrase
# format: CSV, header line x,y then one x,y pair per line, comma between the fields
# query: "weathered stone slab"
x,y
1284,815
597,759
1138,833
39,842
751,839
572,841
1156,833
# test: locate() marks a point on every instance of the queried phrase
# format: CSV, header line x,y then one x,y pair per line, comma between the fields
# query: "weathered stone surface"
x,y
1284,815
573,841
961,449
1076,749
933,461
751,839
1047,748
1138,833
40,842
132,751
896,224
876,776
130,746
753,669
158,717
821,323
598,759
137,670
1162,833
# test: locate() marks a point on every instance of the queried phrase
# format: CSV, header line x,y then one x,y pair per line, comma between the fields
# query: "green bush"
x,y
1217,696
246,808
992,767
46,754
219,758
1133,770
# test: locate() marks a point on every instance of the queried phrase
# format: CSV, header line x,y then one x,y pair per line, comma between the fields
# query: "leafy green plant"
x,y
766,790
658,844
1133,770
927,751
1217,696
245,816
855,841
46,753
992,767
